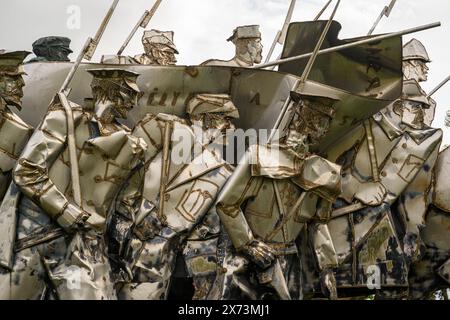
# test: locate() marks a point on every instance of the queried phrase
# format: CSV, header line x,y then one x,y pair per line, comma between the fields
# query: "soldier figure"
x,y
386,177
159,49
14,132
51,49
177,196
247,40
265,204
210,116
59,247
415,59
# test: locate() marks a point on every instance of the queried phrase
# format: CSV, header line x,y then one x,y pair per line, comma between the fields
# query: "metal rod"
x,y
273,45
350,45
105,21
142,23
385,12
319,44
306,72
89,47
281,35
440,85
322,10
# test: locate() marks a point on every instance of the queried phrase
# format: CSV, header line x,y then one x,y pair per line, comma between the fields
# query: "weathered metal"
x,y
352,44
385,12
142,23
281,35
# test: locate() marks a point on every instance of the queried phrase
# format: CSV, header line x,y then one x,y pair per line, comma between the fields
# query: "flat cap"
x,y
52,41
111,74
161,37
212,103
245,32
11,61
415,50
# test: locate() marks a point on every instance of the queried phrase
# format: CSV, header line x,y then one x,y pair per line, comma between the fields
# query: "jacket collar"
x,y
392,131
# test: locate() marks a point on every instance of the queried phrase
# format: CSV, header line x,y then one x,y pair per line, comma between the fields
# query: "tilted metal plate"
x,y
371,70
258,94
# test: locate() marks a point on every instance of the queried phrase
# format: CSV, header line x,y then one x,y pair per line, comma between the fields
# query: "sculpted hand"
x,y
260,253
371,193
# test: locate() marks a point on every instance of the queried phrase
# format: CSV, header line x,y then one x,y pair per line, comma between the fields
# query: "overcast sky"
x,y
202,27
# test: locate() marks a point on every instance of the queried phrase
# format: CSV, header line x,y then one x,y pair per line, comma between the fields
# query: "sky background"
x,y
202,26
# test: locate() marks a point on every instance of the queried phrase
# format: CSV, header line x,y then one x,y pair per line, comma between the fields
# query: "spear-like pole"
x,y
142,23
87,52
281,35
299,83
385,12
350,45
440,85
89,47
285,34
322,10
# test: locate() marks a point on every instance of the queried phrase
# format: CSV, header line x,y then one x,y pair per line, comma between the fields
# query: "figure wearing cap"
x,y
268,200
387,168
14,132
159,48
211,118
247,40
152,253
58,248
51,49
182,179
415,60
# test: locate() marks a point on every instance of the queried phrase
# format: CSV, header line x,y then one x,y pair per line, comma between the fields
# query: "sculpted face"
x,y
255,49
415,69
60,54
216,121
311,122
126,101
11,89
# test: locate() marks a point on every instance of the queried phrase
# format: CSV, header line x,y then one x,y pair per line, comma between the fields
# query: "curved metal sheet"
x,y
258,94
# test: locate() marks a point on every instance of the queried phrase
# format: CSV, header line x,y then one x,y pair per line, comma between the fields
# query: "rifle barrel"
x,y
75,66
350,45
322,10
105,22
281,35
143,22
440,85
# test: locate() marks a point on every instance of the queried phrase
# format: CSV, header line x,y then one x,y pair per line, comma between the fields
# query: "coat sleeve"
x,y
415,199
239,188
32,171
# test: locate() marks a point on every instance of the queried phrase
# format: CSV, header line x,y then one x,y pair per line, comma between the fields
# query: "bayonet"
x,y
86,53
385,12
89,47
286,29
305,74
322,10
142,23
350,45
440,85
281,35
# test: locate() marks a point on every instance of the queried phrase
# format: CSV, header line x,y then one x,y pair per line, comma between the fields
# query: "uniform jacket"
x,y
43,172
270,185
